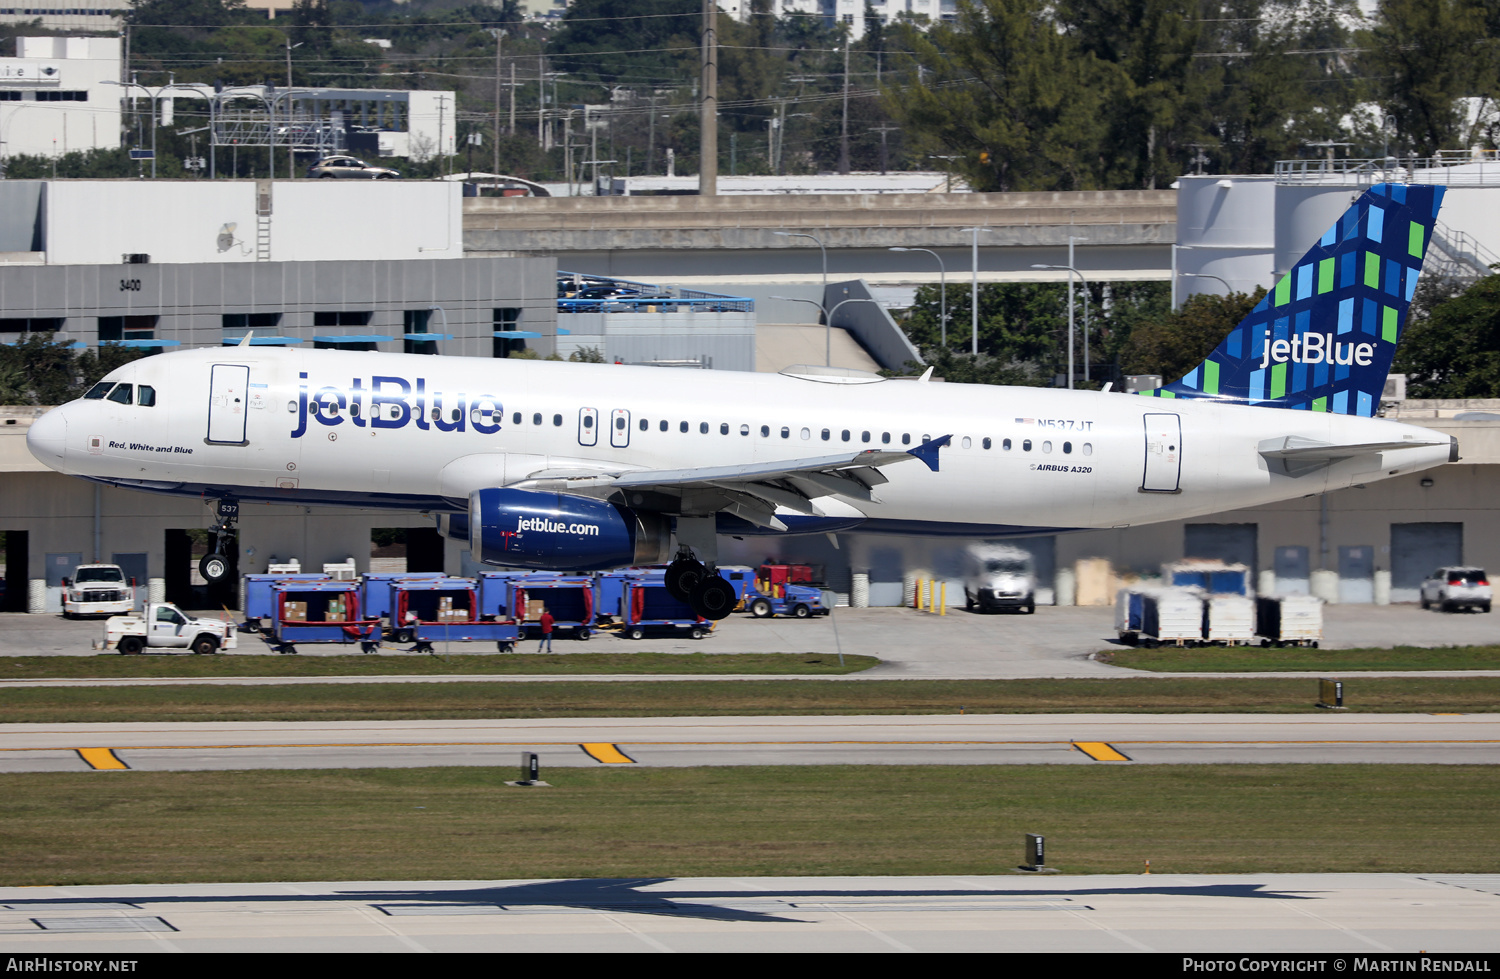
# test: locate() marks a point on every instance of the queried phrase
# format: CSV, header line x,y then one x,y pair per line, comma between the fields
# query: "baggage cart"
x,y
1289,620
429,610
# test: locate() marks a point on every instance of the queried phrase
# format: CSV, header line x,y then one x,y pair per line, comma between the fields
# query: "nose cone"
x,y
48,438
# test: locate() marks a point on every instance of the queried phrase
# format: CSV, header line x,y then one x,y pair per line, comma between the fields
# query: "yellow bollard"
x,y
932,596
943,602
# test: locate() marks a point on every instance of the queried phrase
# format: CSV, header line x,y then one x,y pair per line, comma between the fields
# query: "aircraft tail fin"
x,y
1324,337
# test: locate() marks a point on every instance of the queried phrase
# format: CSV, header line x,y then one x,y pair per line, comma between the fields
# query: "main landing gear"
x,y
701,587
215,566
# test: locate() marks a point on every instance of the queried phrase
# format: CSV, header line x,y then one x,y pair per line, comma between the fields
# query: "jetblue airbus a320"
x,y
583,466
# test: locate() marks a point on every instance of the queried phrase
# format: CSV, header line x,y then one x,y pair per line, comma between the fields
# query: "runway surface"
x,y
972,739
1360,914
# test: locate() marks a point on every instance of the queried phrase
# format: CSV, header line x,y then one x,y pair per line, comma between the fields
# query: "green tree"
x,y
1267,103
1154,96
1453,351
1016,100
1425,56
1177,342
641,42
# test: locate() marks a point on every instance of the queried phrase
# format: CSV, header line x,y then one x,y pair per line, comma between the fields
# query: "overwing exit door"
x,y
1163,453
228,395
619,428
588,426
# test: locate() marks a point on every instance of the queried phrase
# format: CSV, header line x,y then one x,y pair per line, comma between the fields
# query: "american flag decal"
x,y
1025,421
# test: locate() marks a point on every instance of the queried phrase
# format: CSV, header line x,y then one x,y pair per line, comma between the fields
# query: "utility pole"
x,y
499,37
511,129
708,152
884,128
844,126
541,99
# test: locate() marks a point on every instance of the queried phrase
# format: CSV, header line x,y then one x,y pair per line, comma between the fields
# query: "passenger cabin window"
x,y
765,431
619,424
885,438
968,442
845,435
98,391
515,419
806,434
121,394
1067,448
864,436
744,429
703,428
557,421
645,424
1005,445
663,425
723,428
1026,445
825,435
786,433
905,438
682,427
986,442
536,419
354,410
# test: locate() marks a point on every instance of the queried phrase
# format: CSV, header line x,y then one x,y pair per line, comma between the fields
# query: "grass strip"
x,y
113,666
417,701
1253,659
464,824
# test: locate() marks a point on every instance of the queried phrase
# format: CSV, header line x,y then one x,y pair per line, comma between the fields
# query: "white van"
x,y
999,576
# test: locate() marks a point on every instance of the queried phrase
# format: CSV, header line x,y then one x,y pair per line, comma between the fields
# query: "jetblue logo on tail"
x,y
1324,337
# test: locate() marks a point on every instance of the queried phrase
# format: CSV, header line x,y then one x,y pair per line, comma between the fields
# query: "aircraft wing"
x,y
754,490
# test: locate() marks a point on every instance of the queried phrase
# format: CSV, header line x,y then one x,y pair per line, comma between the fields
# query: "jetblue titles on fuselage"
x,y
394,402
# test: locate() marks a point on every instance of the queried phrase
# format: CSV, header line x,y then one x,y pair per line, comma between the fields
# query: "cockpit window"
x,y
98,391
145,396
121,394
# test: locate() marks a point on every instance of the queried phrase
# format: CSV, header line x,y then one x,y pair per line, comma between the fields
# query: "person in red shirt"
x,y
546,623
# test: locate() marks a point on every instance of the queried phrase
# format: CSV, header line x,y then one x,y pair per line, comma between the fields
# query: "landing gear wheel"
x,y
214,568
682,577
205,646
637,633
131,645
760,608
713,598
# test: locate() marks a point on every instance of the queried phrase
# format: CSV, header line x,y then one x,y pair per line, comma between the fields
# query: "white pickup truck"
x,y
97,589
165,626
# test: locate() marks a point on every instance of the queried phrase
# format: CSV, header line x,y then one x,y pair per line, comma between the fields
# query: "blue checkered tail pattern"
x,y
1323,338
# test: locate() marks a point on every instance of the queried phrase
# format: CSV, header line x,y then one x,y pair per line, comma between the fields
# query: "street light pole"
x,y
795,234
1084,282
943,279
974,293
1228,289
828,315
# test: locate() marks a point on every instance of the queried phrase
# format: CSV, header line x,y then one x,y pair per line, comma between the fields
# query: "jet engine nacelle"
x,y
559,532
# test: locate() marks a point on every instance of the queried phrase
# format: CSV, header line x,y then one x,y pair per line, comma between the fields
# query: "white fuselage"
x,y
240,422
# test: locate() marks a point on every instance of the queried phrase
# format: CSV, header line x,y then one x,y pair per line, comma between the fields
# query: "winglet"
x,y
926,377
245,340
928,451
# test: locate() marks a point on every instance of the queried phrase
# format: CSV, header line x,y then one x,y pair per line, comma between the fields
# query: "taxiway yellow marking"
x,y
1099,751
101,759
606,753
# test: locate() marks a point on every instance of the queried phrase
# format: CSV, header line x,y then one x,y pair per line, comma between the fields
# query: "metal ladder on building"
x,y
1460,255
263,220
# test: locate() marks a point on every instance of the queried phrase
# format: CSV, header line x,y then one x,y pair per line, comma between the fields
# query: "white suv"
x,y
1455,588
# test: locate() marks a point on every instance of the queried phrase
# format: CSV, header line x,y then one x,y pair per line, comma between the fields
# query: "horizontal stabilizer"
x,y
1297,455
